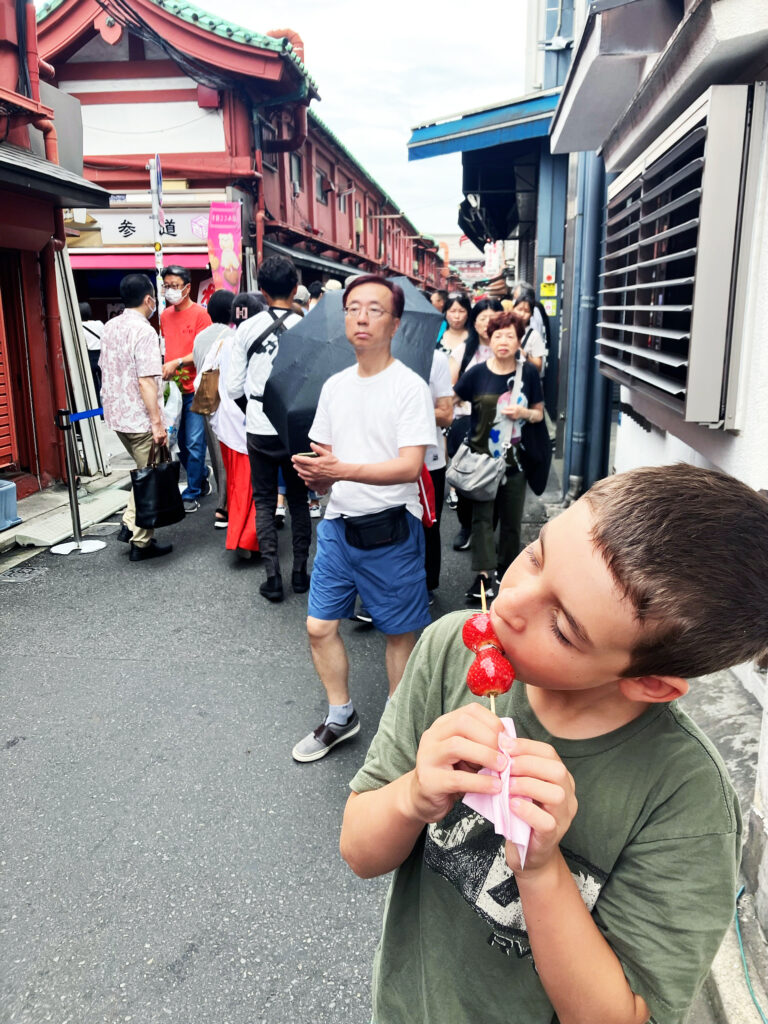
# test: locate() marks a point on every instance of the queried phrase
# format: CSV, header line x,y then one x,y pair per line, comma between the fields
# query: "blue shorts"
x,y
391,581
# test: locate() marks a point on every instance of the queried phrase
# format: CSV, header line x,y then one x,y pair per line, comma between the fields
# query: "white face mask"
x,y
172,296
151,312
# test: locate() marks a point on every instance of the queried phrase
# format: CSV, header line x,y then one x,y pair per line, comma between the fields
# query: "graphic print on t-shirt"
x,y
467,852
504,431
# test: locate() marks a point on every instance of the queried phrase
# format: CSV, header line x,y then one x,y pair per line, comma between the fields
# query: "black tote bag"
x,y
156,490
534,454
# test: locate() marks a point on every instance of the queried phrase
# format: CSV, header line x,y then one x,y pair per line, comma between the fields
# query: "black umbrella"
x,y
316,348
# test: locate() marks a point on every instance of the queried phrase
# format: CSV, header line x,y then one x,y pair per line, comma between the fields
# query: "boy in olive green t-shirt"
x,y
629,879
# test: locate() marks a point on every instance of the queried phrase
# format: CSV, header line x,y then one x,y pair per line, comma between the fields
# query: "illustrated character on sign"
x,y
230,261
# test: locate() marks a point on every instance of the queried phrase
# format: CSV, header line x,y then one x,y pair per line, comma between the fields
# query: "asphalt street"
x,y
162,857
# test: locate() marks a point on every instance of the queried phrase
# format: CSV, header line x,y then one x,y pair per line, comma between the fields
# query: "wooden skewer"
x,y
483,605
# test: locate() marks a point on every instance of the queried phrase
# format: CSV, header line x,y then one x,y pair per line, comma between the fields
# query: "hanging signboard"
x,y
225,245
135,227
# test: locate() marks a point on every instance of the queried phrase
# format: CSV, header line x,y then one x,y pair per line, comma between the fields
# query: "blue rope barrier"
x,y
87,415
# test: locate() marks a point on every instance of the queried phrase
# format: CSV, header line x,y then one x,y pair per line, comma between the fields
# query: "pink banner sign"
x,y
225,245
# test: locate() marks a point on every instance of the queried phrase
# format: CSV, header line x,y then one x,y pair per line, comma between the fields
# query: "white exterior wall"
x,y
151,127
115,128
170,126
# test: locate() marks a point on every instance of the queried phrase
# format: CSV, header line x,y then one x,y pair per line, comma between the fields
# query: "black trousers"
x,y
432,533
266,455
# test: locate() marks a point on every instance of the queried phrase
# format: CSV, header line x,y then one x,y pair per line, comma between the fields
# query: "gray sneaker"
x,y
191,505
319,742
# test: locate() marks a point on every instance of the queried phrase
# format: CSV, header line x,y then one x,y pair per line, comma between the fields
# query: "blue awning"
x,y
527,117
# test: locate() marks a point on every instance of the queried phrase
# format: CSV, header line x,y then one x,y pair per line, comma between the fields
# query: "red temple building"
x,y
227,111
40,156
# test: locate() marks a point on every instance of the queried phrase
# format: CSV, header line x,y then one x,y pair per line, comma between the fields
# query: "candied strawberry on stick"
x,y
490,673
478,632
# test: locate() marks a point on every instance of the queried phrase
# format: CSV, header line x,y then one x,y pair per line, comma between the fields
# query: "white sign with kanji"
x,y
127,227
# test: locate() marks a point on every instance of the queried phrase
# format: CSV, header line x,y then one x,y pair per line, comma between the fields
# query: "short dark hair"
x,y
277,277
398,297
443,295
502,320
473,341
246,305
86,313
315,289
177,271
481,305
689,549
220,306
462,299
134,288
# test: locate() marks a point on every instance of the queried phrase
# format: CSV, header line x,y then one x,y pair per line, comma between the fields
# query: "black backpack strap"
x,y
274,328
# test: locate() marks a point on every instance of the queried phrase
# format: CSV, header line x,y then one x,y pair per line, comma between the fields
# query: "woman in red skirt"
x,y
228,423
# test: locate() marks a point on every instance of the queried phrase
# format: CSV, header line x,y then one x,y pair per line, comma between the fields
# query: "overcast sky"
x,y
383,68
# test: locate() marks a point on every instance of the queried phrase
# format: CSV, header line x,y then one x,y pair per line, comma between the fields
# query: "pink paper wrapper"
x,y
495,806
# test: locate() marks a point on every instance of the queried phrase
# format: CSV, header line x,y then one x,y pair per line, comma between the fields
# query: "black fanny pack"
x,y
378,529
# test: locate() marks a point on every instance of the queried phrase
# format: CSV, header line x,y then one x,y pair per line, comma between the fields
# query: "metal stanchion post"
x,y
64,422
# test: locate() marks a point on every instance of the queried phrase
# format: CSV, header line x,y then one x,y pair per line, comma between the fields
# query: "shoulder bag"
x,y
478,475
207,397
534,453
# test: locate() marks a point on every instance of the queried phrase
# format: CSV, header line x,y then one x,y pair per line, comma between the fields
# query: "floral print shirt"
x,y
129,349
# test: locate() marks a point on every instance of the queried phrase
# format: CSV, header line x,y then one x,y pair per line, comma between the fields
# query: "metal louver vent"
x,y
671,252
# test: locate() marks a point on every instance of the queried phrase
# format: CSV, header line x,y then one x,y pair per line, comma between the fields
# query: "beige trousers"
x,y
138,447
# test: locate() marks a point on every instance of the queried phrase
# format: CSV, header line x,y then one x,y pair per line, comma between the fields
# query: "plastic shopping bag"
x,y
172,415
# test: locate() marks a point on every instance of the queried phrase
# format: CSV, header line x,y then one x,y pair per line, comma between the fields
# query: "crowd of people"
x,y
614,905
379,430
237,445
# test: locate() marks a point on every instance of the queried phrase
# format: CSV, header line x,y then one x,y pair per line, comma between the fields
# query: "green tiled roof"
x,y
218,26
353,159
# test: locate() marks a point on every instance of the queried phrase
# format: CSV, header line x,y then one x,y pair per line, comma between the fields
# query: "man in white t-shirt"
x,y
373,425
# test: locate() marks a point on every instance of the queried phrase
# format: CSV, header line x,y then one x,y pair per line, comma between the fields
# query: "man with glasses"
x,y
180,323
373,424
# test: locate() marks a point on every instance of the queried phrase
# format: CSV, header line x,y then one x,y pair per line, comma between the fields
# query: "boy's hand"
x,y
538,773
450,754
